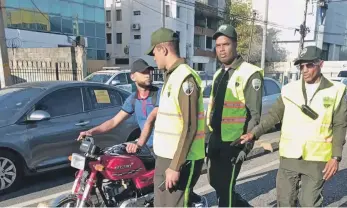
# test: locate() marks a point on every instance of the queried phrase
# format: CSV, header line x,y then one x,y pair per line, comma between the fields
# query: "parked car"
x,y
271,91
40,122
340,79
118,78
342,73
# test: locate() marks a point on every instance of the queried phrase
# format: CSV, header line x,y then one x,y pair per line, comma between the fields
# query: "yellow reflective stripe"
x,y
228,120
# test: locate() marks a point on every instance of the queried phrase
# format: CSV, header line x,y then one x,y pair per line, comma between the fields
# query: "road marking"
x,y
202,189
41,199
208,188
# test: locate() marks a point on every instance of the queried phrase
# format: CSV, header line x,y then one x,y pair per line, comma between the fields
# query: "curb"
x,y
263,149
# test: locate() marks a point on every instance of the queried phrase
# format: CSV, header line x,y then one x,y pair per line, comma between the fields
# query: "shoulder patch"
x,y
188,87
256,83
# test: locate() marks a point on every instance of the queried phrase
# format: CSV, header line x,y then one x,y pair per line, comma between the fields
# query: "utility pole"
x,y
263,49
303,29
5,72
250,41
163,13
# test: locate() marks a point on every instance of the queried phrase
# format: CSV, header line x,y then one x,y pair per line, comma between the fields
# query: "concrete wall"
x,y
43,64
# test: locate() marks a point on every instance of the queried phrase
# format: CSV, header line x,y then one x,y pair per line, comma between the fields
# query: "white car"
x,y
271,91
340,79
118,78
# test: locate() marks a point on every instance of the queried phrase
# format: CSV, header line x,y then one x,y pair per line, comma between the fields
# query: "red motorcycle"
x,y
110,177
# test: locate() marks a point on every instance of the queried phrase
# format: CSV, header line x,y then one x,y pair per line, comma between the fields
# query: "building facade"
x,y
327,30
56,23
131,22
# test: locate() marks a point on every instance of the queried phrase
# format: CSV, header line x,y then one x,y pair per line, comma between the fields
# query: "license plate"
x,y
78,161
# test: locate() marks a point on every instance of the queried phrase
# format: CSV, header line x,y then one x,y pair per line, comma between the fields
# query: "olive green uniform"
x,y
291,171
222,169
189,109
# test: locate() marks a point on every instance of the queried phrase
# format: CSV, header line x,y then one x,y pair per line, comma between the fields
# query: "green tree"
x,y
239,13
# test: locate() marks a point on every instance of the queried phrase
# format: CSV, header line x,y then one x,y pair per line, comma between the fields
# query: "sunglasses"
x,y
308,65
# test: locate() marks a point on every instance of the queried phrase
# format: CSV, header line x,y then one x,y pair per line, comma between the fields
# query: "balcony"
x,y
201,52
212,3
203,31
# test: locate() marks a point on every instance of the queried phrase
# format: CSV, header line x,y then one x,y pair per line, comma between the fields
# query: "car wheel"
x,y
11,171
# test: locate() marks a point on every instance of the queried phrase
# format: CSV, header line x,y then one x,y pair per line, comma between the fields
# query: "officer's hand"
x,y
241,157
83,134
132,148
330,169
171,178
246,138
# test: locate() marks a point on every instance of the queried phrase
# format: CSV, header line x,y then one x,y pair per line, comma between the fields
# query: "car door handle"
x,y
82,123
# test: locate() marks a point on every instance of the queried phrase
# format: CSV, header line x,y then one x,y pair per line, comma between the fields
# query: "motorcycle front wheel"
x,y
67,201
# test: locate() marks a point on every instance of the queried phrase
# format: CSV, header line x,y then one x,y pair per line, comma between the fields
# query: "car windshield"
x,y
100,78
342,74
13,100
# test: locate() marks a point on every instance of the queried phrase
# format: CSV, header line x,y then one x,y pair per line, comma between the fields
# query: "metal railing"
x,y
34,71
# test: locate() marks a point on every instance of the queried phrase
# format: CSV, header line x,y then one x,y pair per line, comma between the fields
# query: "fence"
x,y
33,71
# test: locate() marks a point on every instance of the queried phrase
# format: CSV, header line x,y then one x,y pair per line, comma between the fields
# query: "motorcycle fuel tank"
x,y
122,167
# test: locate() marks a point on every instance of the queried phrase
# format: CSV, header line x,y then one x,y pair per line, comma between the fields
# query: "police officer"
x,y
313,114
179,126
234,107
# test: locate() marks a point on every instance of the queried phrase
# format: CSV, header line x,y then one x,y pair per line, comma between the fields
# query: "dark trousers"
x,y
290,173
180,196
222,176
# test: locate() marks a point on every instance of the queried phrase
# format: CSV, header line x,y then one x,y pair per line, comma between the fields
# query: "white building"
x,y
286,16
130,24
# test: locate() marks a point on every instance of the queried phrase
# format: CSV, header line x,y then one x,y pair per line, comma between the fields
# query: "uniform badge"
x,y
327,102
238,81
303,52
256,83
188,87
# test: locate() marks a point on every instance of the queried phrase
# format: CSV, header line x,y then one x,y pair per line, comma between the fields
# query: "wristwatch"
x,y
338,159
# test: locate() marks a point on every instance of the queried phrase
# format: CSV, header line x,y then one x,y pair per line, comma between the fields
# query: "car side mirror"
x,y
115,82
39,115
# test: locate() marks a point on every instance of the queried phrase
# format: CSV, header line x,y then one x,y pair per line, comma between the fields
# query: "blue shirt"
x,y
142,108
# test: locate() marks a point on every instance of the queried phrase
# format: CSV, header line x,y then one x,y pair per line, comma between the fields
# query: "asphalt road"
x,y
256,183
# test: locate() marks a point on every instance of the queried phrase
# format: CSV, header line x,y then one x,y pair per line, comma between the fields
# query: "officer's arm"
x,y
189,108
274,117
253,98
339,127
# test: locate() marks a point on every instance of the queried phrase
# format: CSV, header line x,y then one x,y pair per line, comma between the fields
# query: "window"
x,y
119,38
55,23
101,43
118,15
90,29
67,25
108,15
122,78
109,38
271,88
136,13
121,61
91,42
56,103
178,11
209,42
167,10
100,30
197,41
101,55
130,81
137,37
100,15
104,98
88,13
